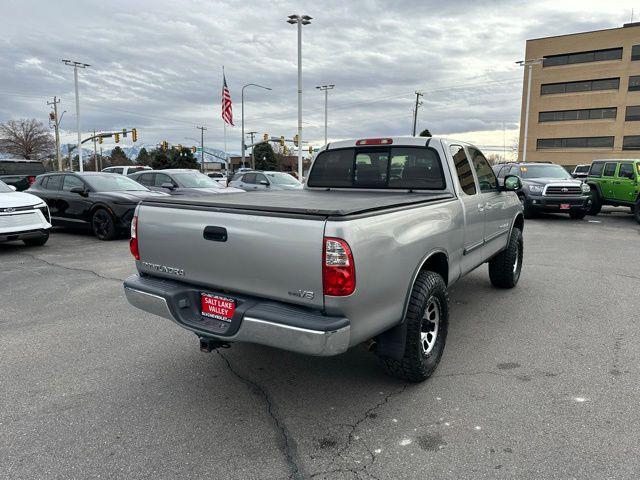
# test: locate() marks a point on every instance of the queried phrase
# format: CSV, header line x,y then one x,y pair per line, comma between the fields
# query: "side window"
x,y
43,182
145,179
596,169
463,170
626,170
249,178
55,182
70,181
161,179
609,169
261,178
486,178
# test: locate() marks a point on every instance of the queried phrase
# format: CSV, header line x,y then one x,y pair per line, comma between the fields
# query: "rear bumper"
x,y
260,321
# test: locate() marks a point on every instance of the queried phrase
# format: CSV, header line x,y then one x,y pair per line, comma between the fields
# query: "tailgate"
x,y
261,255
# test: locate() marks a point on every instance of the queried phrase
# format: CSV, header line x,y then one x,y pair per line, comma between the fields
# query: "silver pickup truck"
x,y
365,252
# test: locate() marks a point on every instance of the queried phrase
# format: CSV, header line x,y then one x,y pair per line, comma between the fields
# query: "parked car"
x,y
356,255
580,171
547,187
23,217
126,170
615,182
181,181
220,177
267,180
101,201
19,172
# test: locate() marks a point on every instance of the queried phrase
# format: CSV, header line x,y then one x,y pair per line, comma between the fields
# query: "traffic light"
x,y
134,135
310,149
265,137
285,150
282,141
165,145
179,147
194,149
100,140
295,140
124,133
117,137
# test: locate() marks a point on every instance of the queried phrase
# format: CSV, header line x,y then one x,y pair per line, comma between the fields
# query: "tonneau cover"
x,y
305,202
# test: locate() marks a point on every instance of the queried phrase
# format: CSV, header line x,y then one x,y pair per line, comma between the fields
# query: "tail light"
x,y
338,269
133,242
31,179
375,141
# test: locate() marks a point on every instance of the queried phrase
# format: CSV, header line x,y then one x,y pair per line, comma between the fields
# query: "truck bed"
x,y
304,202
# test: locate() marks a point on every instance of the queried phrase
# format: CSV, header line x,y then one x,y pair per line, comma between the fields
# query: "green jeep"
x,y
615,182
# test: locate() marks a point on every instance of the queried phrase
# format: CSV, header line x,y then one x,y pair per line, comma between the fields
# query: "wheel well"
x,y
519,223
438,263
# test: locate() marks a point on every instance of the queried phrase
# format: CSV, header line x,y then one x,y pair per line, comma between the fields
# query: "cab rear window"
x,y
403,168
12,167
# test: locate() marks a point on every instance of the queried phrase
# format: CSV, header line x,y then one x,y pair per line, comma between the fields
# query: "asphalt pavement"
x,y
537,382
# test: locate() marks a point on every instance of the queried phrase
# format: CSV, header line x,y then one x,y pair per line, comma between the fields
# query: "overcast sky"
x,y
157,65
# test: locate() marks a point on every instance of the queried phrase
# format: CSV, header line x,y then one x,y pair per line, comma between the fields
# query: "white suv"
x,y
23,217
126,170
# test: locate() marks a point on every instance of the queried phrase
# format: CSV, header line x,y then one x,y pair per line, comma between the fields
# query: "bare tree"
x,y
26,138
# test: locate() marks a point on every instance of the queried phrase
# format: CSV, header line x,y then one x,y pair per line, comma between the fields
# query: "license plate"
x,y
565,206
215,306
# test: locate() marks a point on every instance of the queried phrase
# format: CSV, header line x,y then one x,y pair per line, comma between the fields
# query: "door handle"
x,y
215,234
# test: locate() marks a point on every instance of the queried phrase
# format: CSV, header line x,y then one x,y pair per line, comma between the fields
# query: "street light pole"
x,y
202,129
300,20
242,143
75,66
529,64
326,89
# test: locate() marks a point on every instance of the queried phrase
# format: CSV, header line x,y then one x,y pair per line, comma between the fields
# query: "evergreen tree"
x,y
265,158
118,157
143,157
182,159
159,159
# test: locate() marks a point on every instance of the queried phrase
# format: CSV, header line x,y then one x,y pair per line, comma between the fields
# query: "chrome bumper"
x,y
252,329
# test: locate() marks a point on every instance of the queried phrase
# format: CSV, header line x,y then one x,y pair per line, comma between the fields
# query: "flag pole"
x,y
224,126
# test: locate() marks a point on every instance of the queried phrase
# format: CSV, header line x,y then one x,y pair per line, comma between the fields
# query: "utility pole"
x,y
95,151
202,129
75,66
415,112
100,158
529,64
253,160
56,126
326,89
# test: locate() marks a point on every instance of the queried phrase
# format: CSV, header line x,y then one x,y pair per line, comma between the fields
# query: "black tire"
x,y
505,267
36,242
596,202
427,322
636,211
103,225
527,210
577,214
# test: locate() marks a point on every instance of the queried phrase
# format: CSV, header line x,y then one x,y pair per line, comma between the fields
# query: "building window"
x,y
633,113
635,52
631,142
634,83
583,57
582,86
583,114
574,142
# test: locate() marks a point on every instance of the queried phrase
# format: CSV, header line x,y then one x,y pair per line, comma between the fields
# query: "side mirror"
x,y
264,182
12,187
78,190
167,185
512,183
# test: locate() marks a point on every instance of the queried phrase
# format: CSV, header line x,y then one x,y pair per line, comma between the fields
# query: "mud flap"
x,y
392,343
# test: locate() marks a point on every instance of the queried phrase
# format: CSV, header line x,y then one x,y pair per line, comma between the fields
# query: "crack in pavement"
x,y
288,443
351,437
73,269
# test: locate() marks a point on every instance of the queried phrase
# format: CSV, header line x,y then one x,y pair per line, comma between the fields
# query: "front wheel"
x,y
427,322
596,202
505,267
36,242
636,211
103,225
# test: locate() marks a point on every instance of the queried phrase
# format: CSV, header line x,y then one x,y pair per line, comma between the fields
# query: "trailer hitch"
x,y
207,345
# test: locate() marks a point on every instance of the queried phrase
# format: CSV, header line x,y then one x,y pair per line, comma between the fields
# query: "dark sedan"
x,y
102,201
181,181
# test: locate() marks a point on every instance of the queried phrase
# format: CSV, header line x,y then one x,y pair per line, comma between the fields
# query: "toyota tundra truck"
x,y
364,253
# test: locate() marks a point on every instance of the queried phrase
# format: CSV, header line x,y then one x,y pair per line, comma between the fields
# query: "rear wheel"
x,y
636,211
596,202
505,267
577,214
103,225
427,322
36,242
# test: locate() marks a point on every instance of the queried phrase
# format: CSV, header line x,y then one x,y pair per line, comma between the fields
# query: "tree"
x,y
182,159
425,133
26,138
265,158
118,157
159,159
143,157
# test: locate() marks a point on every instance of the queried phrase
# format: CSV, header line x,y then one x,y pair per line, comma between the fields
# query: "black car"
x,y
19,172
547,187
102,201
181,181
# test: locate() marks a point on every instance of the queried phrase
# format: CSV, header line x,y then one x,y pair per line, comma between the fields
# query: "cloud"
x,y
157,65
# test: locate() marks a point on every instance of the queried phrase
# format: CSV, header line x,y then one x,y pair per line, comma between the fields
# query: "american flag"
x,y
227,113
